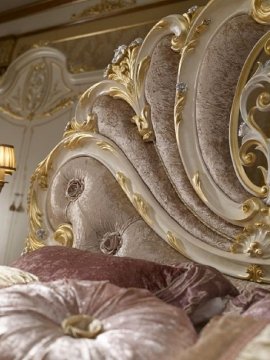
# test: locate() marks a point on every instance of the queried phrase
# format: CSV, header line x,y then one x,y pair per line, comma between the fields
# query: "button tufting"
x,y
74,189
111,243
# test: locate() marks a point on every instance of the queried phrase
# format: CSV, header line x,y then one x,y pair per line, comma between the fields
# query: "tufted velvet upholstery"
x,y
112,213
85,194
102,212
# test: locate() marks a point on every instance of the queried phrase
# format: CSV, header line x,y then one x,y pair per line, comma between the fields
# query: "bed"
x,y
149,221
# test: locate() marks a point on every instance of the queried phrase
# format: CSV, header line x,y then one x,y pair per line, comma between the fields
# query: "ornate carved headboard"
x,y
167,157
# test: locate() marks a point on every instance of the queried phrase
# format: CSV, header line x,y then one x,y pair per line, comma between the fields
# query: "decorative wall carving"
x,y
38,86
104,6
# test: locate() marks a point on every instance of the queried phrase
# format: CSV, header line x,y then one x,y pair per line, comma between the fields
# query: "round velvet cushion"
x,y
10,276
71,320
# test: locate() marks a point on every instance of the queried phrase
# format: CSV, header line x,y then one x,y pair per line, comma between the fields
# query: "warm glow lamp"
x,y
7,162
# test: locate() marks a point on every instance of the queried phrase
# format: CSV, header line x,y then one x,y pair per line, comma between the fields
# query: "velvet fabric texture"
x,y
188,285
219,72
251,302
230,338
10,276
133,323
93,220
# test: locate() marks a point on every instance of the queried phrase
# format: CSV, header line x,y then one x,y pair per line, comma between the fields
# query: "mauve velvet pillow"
x,y
187,285
83,320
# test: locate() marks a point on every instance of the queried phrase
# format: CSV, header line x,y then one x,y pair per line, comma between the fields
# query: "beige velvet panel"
x,y
114,121
160,93
218,77
140,242
103,209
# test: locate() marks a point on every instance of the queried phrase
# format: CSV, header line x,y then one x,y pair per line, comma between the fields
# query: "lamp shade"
x,y
7,158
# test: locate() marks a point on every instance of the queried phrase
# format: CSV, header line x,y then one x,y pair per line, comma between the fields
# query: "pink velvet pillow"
x,y
188,285
72,319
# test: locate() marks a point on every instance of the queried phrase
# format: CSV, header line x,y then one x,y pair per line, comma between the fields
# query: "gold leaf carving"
x,y
198,188
261,11
137,200
75,140
89,125
124,182
131,78
142,123
35,222
254,240
175,243
104,145
178,42
64,235
181,93
142,207
192,43
255,273
249,137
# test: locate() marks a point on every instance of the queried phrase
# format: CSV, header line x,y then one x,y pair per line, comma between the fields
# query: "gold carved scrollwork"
x,y
254,240
125,77
181,90
142,207
255,273
137,199
249,133
250,149
36,233
89,125
198,188
131,76
177,42
193,41
104,145
175,243
64,235
260,11
181,87
75,132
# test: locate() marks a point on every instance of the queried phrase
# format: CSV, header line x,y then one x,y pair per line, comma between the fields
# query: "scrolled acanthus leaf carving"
x,y
131,76
255,273
260,11
252,159
64,235
125,77
254,240
89,125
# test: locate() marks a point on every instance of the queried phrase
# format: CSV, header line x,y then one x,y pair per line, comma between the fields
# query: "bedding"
x,y
232,338
188,285
89,320
10,276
